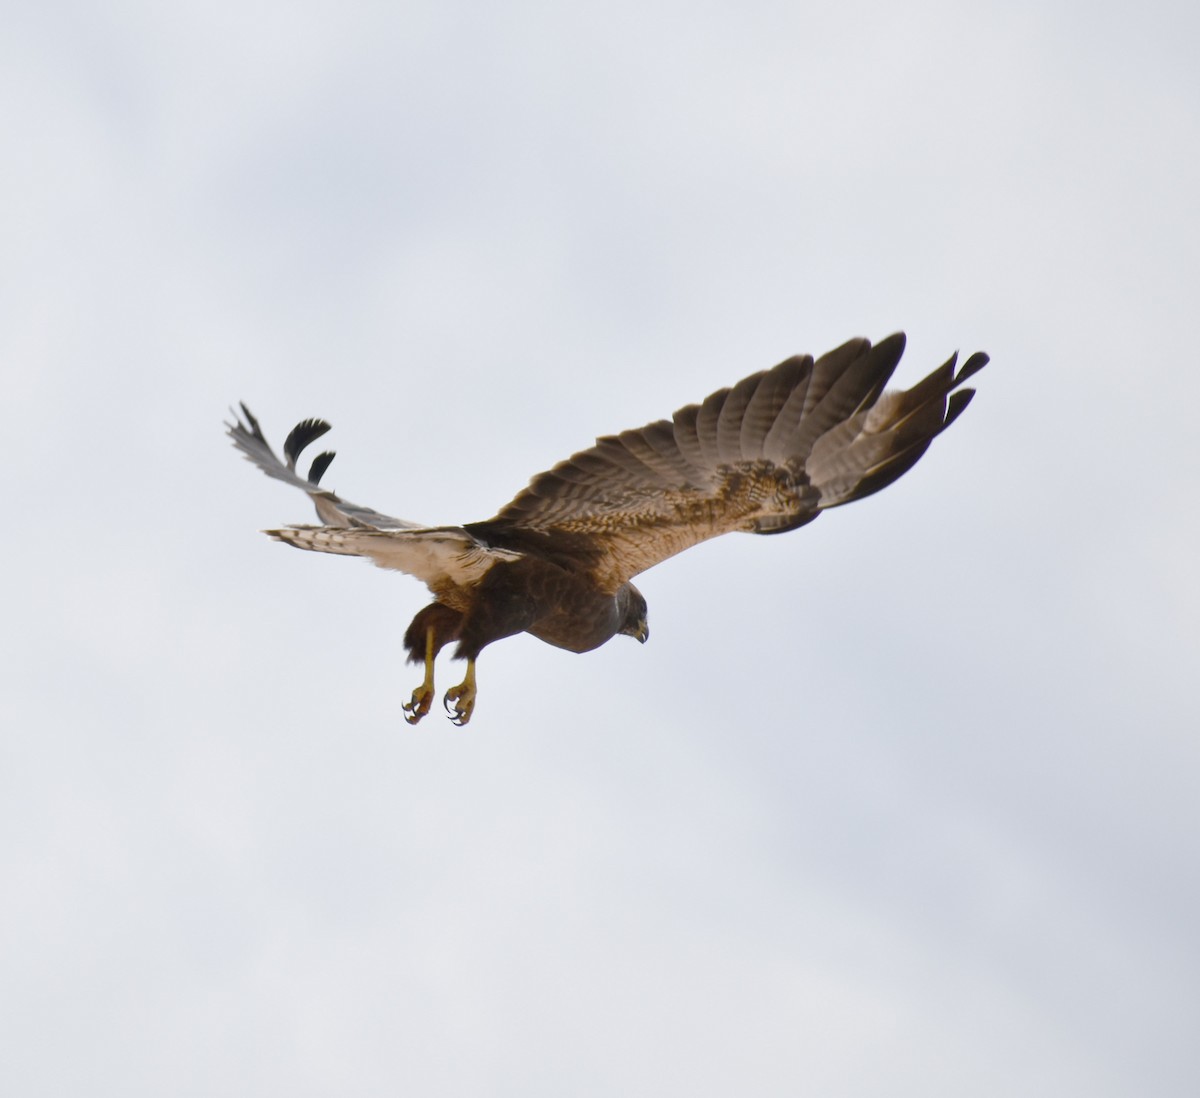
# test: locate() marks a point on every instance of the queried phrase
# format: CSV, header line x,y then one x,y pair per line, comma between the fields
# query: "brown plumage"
x,y
765,456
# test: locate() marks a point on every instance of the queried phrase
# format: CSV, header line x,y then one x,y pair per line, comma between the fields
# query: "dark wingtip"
x,y
250,427
306,432
971,367
319,465
956,405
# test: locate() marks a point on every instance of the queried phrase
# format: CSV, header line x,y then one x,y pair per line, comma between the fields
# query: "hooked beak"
x,y
643,632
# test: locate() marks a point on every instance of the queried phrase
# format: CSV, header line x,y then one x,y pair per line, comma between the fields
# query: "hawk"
x,y
763,457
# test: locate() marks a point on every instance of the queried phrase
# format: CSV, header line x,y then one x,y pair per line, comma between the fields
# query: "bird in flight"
x,y
763,457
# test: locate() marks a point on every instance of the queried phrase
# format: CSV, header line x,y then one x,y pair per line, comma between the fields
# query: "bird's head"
x,y
633,624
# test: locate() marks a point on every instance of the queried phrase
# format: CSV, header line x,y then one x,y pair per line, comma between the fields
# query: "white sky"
x,y
904,803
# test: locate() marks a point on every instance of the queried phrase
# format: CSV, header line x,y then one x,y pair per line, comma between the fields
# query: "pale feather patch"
x,y
883,411
436,555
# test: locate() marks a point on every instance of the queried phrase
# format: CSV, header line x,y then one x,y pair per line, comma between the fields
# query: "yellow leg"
x,y
422,697
463,696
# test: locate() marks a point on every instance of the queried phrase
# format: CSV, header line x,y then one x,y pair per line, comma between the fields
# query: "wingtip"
x,y
956,405
251,422
306,432
972,366
320,463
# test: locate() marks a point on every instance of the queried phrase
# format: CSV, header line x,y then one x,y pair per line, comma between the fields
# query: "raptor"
x,y
765,456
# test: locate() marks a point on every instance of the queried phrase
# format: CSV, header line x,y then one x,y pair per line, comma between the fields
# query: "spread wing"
x,y
331,509
765,456
446,558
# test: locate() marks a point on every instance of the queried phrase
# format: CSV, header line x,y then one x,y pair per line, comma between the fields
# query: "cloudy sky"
x,y
904,803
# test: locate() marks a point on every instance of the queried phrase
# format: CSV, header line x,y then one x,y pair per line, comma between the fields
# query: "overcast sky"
x,y
903,803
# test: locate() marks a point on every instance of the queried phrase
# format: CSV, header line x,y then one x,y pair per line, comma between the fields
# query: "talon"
x,y
463,697
422,699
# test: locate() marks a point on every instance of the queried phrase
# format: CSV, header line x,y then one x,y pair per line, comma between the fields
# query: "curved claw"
x,y
422,697
422,700
464,704
463,697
